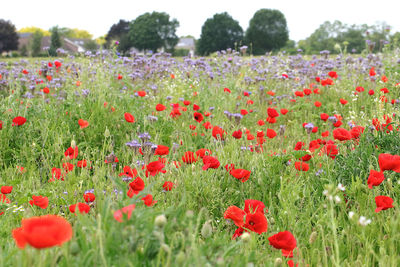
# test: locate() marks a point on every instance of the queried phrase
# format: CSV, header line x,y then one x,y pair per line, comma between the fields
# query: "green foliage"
x,y
180,52
219,33
75,33
91,45
267,31
55,41
8,36
119,32
152,31
36,43
33,29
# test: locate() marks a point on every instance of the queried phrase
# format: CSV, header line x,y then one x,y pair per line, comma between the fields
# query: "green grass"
x,y
296,201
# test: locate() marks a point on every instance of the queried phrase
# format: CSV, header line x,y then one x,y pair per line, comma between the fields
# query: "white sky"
x,y
97,16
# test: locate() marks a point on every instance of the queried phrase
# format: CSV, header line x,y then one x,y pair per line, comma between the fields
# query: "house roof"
x,y
187,43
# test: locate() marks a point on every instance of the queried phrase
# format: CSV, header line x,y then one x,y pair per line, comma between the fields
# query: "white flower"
x,y
351,214
325,192
337,199
364,221
341,187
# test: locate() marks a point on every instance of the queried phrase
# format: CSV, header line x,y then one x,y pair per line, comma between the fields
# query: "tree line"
x,y
267,31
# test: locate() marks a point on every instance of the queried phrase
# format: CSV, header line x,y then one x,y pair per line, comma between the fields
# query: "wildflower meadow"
x,y
226,160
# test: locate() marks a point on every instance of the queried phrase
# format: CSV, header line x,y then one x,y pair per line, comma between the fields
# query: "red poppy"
x,y
43,232
341,134
333,74
81,164
326,82
89,197
272,113
371,92
375,178
210,162
284,111
83,124
324,116
307,91
46,90
227,90
83,208
256,222
198,117
18,121
71,153
356,132
141,93
271,133
135,187
203,152
243,112
168,185
359,89
4,199
301,166
189,157
127,171
252,206
57,173
389,162
161,150
240,174
372,72
283,240
330,150
155,167
68,167
343,101
148,200
196,107
237,134
160,107
129,117
119,214
218,133
383,203
40,201
6,189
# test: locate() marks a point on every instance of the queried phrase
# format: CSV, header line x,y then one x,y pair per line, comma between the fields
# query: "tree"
x,y
74,33
267,31
55,41
8,36
33,29
119,32
218,33
36,43
152,31
91,45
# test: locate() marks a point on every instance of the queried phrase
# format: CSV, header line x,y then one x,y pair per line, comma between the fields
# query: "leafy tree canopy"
x,y
33,29
267,31
218,33
8,36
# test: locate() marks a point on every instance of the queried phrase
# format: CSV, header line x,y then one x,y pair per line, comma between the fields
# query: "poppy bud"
x,y
74,248
73,144
106,133
278,262
160,221
245,237
166,248
206,230
180,258
313,237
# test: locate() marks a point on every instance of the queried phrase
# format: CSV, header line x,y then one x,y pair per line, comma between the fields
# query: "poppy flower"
x,y
83,208
301,166
389,162
189,157
371,92
4,199
168,185
68,167
57,173
383,203
317,104
210,162
119,214
333,74
307,91
271,133
375,178
203,152
196,107
155,167
6,189
261,122
356,132
81,164
218,133
272,113
372,72
89,197
227,90
135,187
71,153
43,232
256,222
283,240
237,134
236,215
160,107
341,134
207,125
198,117
252,206
18,121
161,150
240,174
141,93
127,171
148,200
343,101
83,124
284,111
40,201
330,150
129,117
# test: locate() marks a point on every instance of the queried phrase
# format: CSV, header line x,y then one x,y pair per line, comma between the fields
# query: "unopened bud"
x,y
107,133
313,237
245,237
160,221
206,230
278,262
73,144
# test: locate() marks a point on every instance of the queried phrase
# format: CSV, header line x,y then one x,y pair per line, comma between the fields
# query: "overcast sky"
x,y
302,16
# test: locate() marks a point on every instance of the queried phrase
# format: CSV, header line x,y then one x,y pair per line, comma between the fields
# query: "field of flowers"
x,y
225,160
